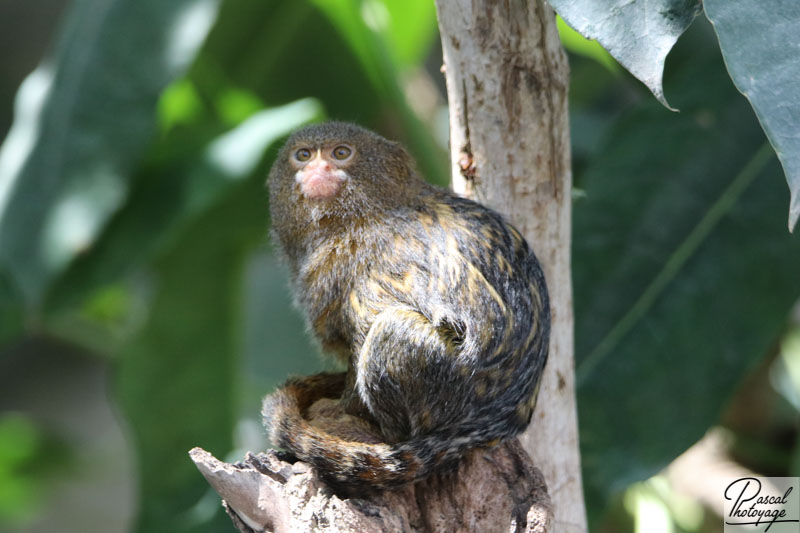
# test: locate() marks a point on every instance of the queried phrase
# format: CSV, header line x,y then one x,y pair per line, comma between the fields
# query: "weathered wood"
x,y
493,490
507,80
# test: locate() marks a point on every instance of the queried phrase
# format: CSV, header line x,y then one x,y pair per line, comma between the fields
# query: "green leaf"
x,y
83,119
179,104
186,357
346,16
378,35
176,380
409,27
261,46
384,34
638,34
758,41
170,199
578,44
683,276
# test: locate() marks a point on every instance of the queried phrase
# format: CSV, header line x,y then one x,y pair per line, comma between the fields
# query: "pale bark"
x,y
507,80
493,490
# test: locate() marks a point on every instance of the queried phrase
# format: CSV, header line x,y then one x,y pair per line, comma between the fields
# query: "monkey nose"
x,y
319,165
319,180
318,169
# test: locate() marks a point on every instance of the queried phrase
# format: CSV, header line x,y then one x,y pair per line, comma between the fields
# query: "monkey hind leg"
x,y
408,377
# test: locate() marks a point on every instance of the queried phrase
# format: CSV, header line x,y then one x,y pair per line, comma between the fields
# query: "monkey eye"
x,y
303,154
341,153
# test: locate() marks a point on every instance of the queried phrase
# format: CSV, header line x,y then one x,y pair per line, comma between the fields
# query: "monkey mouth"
x,y
320,185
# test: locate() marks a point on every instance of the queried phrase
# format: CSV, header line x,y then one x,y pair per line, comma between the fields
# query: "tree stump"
x,y
493,489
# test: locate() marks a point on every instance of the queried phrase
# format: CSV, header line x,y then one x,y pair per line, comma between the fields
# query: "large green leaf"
x,y
409,27
286,49
404,28
83,119
638,34
170,198
578,44
176,380
758,41
281,51
683,275
187,355
382,34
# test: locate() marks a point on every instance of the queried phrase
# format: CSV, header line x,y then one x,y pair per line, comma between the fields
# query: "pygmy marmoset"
x,y
436,303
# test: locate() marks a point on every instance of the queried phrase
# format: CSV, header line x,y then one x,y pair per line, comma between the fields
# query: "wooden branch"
x,y
495,489
507,80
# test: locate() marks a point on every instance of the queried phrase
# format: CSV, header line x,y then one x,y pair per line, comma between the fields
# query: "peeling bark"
x,y
493,490
507,80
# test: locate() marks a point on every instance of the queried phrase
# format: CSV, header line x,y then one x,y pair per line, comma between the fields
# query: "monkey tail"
x,y
344,463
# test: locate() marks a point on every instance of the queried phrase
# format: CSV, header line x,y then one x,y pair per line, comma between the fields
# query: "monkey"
x,y
436,304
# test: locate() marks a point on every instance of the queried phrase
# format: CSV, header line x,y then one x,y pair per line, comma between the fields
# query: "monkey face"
x,y
335,172
320,170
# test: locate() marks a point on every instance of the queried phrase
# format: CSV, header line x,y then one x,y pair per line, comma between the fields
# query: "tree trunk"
x,y
507,80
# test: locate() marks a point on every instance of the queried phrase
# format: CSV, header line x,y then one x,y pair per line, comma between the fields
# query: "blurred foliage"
x,y
20,442
56,194
684,273
681,274
29,458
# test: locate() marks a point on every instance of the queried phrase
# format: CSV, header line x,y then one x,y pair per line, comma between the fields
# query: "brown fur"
x,y
436,304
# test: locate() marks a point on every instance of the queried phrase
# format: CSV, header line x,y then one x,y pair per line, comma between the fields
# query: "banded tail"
x,y
344,463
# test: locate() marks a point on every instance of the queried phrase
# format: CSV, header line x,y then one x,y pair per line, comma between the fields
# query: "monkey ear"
x,y
401,161
400,154
394,147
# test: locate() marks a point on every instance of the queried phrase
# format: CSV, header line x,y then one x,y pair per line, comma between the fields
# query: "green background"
x,y
143,312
